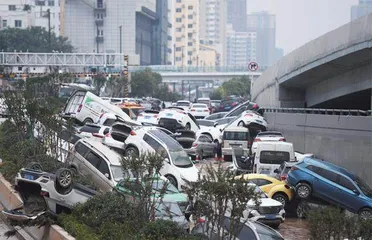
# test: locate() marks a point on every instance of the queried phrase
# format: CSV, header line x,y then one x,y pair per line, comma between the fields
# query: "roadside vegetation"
x,y
236,86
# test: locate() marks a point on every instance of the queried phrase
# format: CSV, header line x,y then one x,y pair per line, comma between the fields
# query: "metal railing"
x,y
340,112
171,68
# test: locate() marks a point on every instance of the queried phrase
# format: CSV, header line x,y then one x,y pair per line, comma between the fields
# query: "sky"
x,y
300,21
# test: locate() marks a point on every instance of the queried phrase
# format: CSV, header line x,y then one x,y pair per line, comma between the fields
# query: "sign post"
x,y
253,66
126,75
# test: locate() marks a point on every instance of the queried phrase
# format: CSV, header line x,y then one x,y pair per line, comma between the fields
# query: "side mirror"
x,y
107,175
215,124
276,171
356,192
167,160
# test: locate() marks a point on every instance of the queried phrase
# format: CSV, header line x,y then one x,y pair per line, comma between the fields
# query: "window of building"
x,y
178,19
178,39
189,62
178,10
178,49
40,2
50,2
18,23
5,23
101,32
189,44
189,25
191,7
178,59
189,53
189,35
190,16
12,7
178,29
178,1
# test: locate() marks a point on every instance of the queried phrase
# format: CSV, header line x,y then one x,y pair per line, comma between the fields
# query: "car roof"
x,y
204,99
261,176
183,101
328,165
269,133
236,129
268,143
202,104
113,157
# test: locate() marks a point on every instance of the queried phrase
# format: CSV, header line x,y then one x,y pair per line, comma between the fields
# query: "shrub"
x,y
76,228
161,230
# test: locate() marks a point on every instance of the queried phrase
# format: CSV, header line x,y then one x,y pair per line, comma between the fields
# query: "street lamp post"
x,y
120,29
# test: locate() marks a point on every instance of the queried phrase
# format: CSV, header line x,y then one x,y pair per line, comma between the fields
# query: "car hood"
x,y
191,174
265,202
175,197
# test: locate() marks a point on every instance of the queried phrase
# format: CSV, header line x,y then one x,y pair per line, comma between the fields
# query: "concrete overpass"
x,y
332,71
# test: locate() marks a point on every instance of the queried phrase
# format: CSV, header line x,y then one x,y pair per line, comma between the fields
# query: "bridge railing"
x,y
342,112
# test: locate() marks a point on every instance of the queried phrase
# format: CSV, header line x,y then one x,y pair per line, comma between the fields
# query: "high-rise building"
x,y
240,47
237,14
279,53
186,32
264,24
14,14
213,25
160,38
363,8
94,26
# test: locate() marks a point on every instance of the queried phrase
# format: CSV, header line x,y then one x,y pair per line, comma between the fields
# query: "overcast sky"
x,y
299,21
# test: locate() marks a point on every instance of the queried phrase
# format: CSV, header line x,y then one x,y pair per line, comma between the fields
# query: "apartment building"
x,y
213,26
186,32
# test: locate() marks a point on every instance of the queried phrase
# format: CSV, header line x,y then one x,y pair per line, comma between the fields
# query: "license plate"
x,y
29,177
270,216
147,117
199,110
169,115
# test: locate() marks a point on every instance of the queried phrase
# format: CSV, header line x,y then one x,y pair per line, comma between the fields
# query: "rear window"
x,y
90,129
274,157
109,122
241,136
199,106
204,101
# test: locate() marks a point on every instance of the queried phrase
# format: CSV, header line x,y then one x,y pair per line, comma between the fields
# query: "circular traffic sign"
x,y
253,66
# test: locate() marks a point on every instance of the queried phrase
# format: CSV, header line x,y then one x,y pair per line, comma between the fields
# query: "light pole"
x,y
120,29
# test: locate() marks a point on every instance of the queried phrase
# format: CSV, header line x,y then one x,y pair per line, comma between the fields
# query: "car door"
x,y
348,195
90,171
203,144
326,185
209,146
104,175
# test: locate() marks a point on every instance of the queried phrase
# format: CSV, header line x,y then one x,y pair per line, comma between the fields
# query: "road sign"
x,y
253,66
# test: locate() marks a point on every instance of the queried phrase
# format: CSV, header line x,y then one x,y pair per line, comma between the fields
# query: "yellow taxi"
x,y
273,187
132,109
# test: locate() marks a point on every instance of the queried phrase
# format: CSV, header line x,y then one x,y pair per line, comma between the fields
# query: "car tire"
x,y
201,155
131,152
241,124
34,166
365,214
63,180
87,120
281,197
74,170
303,190
172,180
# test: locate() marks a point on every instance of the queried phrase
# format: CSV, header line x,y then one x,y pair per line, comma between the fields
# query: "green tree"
x,y
145,83
236,86
217,94
33,39
99,81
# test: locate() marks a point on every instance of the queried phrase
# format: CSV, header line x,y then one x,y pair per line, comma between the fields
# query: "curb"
x,y
9,199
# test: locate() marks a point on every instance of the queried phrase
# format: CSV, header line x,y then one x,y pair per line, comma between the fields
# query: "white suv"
x,y
175,118
147,139
98,162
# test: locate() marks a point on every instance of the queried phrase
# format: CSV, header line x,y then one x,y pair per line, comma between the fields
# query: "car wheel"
x,y
241,124
303,190
34,166
365,214
87,120
131,152
172,180
280,197
74,171
188,126
274,225
201,155
302,210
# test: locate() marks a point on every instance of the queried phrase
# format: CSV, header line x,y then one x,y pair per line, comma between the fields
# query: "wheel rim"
x,y
65,179
280,199
303,191
366,215
172,181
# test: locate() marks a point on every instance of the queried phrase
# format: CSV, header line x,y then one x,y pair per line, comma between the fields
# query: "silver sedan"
x,y
203,146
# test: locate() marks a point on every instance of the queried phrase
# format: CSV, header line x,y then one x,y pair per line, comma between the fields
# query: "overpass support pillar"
x,y
292,97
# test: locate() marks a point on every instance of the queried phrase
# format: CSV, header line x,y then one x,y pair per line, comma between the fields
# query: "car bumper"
x,y
267,218
200,115
110,142
228,151
191,151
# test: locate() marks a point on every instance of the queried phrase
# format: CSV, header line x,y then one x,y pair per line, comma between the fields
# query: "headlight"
x,y
253,207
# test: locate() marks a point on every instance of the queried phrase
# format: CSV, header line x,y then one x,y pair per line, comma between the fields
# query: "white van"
x,y
268,156
237,137
86,107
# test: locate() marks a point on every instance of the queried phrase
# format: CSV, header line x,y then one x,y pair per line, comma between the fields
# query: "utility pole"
x,y
120,28
49,32
126,75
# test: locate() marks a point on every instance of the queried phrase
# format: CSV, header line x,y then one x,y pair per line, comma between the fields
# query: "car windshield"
x,y
118,172
206,123
136,112
224,121
274,157
180,159
158,186
167,210
204,101
260,193
170,142
183,104
363,186
266,233
238,136
199,106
